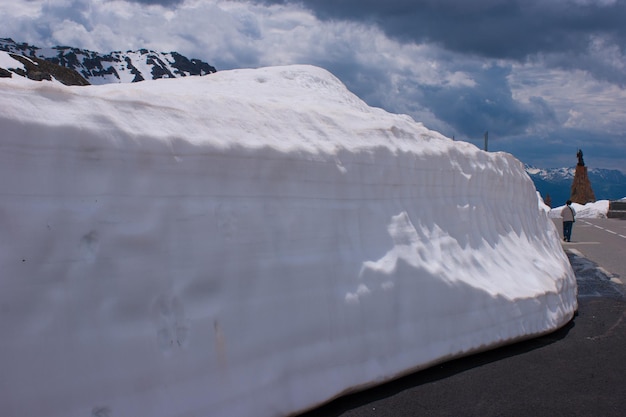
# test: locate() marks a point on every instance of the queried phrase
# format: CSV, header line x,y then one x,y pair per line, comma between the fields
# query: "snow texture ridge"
x,y
255,242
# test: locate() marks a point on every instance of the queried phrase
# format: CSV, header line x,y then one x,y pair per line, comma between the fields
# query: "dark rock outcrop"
x,y
39,69
114,67
617,209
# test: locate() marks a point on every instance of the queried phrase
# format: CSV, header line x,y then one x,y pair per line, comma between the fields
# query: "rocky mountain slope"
x,y
37,69
114,67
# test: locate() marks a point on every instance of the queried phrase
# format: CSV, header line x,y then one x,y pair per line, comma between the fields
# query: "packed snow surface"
x,y
251,243
595,210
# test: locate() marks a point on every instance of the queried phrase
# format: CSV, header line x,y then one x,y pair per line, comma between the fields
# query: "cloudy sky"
x,y
543,77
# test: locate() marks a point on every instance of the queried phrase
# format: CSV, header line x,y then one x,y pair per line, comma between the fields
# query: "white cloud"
x,y
579,100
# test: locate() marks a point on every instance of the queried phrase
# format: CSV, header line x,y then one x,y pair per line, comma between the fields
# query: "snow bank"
x,y
251,243
596,210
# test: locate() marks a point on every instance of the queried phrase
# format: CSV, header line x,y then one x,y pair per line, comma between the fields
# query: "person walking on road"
x,y
569,217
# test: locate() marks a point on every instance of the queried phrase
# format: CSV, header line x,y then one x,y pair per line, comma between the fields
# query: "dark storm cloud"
x,y
508,29
488,105
159,2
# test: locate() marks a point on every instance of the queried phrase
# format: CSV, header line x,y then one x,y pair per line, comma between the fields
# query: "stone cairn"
x,y
581,192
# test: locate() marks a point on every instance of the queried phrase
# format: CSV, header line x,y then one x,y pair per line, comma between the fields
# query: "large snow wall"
x,y
251,243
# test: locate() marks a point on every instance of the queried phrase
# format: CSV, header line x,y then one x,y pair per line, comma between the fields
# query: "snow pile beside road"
x,y
251,243
596,210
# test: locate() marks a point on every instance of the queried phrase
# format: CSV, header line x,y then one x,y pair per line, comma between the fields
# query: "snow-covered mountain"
x,y
607,184
37,69
114,67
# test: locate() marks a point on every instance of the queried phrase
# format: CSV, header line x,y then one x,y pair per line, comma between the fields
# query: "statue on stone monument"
x,y
581,191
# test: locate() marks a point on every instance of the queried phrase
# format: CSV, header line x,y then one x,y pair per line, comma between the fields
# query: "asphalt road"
x,y
602,241
579,370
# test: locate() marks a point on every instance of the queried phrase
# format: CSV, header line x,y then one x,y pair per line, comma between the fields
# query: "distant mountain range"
x,y
94,67
607,184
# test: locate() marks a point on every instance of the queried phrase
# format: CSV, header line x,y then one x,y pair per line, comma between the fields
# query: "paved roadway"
x,y
602,241
579,370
